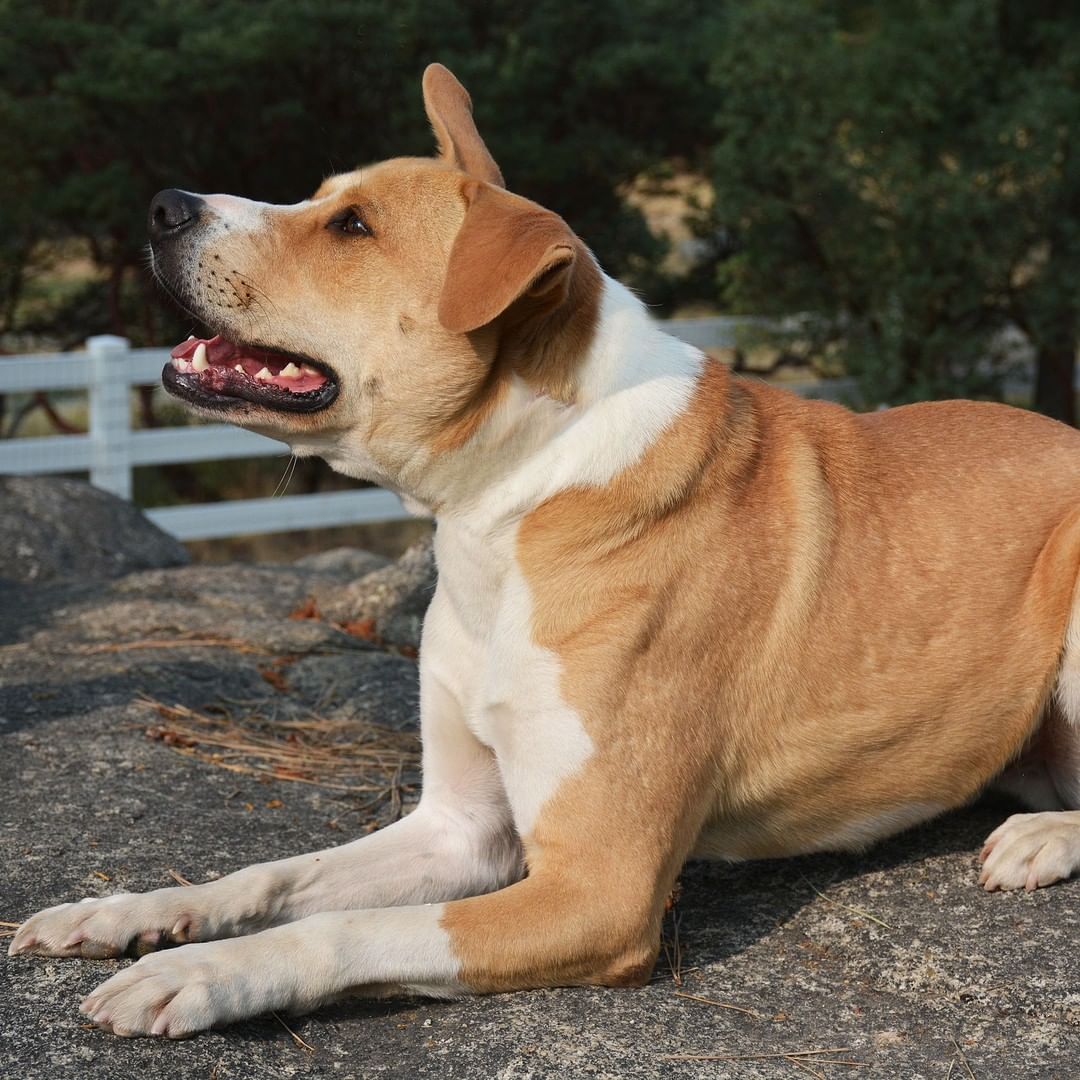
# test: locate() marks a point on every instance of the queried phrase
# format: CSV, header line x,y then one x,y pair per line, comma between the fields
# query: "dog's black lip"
x,y
187,386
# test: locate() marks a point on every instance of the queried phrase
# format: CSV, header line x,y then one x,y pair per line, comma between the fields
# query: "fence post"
x,y
110,414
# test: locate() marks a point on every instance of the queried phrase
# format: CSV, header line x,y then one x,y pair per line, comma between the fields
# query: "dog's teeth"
x,y
290,371
178,363
191,337
264,374
199,361
240,368
307,369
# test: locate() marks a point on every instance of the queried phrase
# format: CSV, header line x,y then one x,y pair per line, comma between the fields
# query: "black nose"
x,y
172,211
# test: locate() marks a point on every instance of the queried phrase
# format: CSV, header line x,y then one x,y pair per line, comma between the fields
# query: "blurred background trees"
x,y
905,176
910,171
103,104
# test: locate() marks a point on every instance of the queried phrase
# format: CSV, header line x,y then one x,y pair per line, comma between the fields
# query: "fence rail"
x,y
111,449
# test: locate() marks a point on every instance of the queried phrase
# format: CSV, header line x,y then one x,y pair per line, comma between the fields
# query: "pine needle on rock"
x,y
344,754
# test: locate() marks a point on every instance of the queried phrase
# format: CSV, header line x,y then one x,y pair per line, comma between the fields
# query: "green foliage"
x,y
908,172
909,169
104,104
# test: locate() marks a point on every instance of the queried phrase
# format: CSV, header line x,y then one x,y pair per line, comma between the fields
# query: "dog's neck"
x,y
632,382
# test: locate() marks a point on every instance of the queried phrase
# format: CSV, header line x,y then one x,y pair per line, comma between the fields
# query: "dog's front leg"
x,y
460,841
600,867
548,929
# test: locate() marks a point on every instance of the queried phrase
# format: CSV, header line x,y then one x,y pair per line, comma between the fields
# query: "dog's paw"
x,y
1031,850
175,994
110,926
183,991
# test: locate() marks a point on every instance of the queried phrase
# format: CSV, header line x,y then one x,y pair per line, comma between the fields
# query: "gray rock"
x,y
344,562
896,955
396,596
54,529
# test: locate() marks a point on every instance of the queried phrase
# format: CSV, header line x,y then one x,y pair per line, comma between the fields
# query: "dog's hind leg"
x,y
1030,850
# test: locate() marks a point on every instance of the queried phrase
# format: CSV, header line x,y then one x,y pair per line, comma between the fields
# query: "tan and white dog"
x,y
678,613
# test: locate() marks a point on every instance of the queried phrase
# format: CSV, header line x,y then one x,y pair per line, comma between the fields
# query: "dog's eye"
x,y
350,223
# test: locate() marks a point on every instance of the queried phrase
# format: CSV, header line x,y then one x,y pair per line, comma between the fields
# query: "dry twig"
x,y
963,1061
295,1038
718,1004
847,907
802,1066
326,753
789,1055
193,642
673,947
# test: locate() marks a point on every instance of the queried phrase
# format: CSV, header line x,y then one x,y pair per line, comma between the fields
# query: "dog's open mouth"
x,y
217,373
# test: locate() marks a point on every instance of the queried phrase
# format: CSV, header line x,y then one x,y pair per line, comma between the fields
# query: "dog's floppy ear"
x,y
449,109
507,248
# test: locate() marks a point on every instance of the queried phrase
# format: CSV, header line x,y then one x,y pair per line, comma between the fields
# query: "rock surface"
x,y
343,562
395,596
52,529
895,956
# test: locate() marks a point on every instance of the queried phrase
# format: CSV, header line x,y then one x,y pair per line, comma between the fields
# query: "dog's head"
x,y
380,321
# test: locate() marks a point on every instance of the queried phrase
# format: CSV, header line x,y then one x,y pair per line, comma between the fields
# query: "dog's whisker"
x,y
171,291
286,478
260,292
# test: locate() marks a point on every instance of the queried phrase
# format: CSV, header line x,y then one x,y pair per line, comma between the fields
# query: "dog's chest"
x,y
480,645
479,624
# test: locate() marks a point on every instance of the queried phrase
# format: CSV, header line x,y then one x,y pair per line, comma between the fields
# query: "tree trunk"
x,y
116,286
146,407
1055,372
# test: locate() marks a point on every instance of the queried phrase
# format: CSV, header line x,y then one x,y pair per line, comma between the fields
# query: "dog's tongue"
x,y
215,357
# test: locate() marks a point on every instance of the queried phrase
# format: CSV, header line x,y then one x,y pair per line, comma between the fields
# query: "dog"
x,y
678,613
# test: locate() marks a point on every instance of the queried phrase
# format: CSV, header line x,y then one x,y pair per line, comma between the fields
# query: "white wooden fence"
x,y
111,449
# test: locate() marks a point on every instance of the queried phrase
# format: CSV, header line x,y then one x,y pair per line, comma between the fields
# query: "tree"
x,y
910,170
103,104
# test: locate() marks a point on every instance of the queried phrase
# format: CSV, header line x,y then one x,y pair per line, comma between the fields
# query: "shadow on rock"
x,y
725,908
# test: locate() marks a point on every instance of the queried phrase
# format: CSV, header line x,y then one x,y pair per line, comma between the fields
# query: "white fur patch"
x,y
1032,850
240,213
635,382
1068,683
478,642
293,967
538,739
